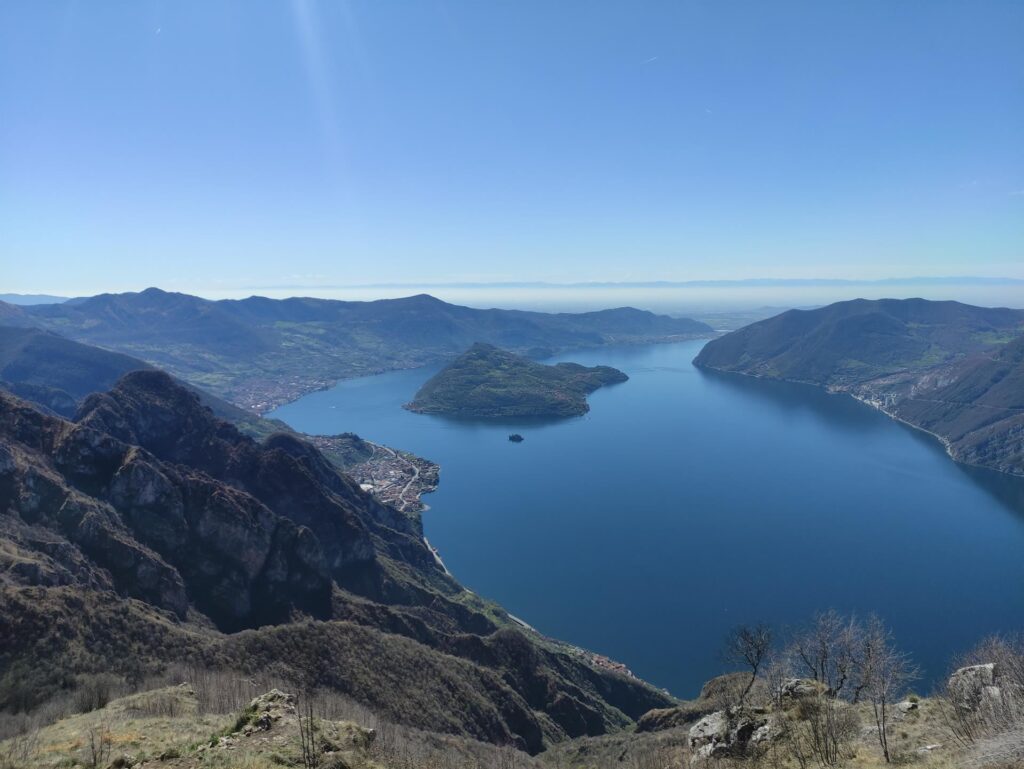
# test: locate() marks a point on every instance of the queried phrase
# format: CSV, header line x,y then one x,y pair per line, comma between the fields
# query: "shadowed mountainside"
x,y
58,373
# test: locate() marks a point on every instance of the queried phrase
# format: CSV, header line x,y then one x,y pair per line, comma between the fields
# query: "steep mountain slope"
x,y
976,406
857,340
58,373
148,530
487,382
260,352
949,368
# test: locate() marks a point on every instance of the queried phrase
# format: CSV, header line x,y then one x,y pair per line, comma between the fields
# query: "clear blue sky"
x,y
217,145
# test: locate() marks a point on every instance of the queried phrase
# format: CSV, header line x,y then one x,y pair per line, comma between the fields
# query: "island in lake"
x,y
487,382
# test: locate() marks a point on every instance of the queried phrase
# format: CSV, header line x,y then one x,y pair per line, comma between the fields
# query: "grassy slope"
x,y
183,727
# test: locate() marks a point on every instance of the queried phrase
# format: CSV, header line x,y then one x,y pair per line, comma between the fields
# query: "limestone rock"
x,y
972,686
798,688
730,733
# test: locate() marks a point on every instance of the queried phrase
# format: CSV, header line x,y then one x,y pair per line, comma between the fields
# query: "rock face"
x,y
731,733
177,507
164,533
972,688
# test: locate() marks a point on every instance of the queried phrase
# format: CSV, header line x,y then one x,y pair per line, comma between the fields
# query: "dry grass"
x,y
143,725
170,726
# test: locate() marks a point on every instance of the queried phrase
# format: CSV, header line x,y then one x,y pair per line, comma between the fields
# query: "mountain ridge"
x,y
259,353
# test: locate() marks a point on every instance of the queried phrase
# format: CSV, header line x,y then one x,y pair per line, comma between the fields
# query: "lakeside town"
x,y
397,478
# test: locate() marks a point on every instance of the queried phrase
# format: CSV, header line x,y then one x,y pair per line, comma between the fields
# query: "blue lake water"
x,y
686,502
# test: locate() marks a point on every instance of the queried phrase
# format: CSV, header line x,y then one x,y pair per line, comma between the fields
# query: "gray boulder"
x,y
974,686
799,688
735,732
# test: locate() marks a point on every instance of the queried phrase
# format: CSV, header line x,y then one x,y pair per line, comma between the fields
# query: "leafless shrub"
x,y
748,645
823,731
883,674
93,692
20,751
1001,710
98,744
309,731
825,651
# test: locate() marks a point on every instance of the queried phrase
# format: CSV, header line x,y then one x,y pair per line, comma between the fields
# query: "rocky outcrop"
x,y
163,533
795,689
972,688
661,719
287,475
731,733
267,709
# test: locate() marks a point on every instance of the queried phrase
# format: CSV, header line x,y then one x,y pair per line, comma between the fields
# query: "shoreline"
x,y
876,406
260,406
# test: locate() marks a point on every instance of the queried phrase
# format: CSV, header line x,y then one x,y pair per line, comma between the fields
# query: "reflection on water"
x,y
841,411
846,413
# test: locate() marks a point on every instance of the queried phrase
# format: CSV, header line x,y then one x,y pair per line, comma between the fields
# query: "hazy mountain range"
x,y
260,352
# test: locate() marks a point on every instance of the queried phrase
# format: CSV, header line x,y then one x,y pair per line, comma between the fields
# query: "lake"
x,y
686,502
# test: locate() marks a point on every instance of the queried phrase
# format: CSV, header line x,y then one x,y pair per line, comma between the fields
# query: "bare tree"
x,y
20,750
826,650
309,740
98,745
884,674
823,732
748,645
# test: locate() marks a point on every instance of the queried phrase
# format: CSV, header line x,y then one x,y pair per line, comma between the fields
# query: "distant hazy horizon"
x,y
671,297
211,147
